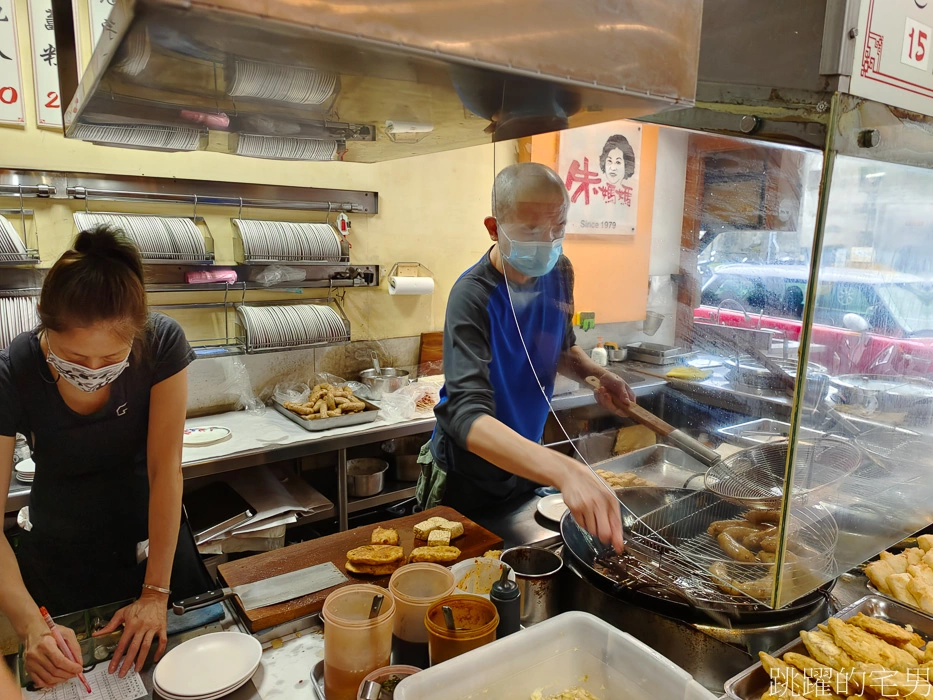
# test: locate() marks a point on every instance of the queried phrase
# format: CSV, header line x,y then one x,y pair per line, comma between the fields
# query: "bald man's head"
x,y
526,193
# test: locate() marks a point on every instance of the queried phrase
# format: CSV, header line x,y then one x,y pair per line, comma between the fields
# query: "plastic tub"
x,y
415,588
476,615
354,645
381,675
476,576
571,650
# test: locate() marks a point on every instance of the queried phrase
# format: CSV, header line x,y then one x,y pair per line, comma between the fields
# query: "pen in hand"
x,y
63,645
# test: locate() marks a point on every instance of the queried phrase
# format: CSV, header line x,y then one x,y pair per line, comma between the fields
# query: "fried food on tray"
x,y
888,683
866,647
376,554
907,577
384,536
439,538
327,401
830,677
634,437
492,554
793,679
892,634
622,480
424,529
824,649
435,555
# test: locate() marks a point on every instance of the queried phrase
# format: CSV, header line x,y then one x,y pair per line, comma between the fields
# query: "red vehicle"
x,y
868,321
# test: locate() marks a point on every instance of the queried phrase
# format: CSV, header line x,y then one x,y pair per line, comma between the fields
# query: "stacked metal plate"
x,y
157,237
11,245
278,83
275,241
285,148
17,315
291,326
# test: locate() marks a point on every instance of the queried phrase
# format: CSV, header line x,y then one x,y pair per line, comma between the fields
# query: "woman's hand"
x,y
593,504
45,662
142,622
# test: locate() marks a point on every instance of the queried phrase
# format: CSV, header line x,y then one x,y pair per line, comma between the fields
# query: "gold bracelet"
x,y
164,591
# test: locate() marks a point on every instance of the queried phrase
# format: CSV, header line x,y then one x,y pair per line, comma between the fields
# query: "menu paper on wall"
x,y
45,64
12,110
104,686
99,13
892,61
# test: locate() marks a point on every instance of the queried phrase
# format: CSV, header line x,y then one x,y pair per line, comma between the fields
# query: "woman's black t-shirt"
x,y
91,485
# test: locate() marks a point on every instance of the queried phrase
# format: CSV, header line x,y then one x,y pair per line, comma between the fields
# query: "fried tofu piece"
x,y
493,554
922,592
925,542
376,554
372,570
634,437
830,677
865,647
928,559
888,683
824,649
900,589
454,527
914,556
439,538
892,634
383,535
425,528
928,653
878,572
788,675
435,555
897,562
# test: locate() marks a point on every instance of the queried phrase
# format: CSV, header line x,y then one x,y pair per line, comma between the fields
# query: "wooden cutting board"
x,y
474,542
431,354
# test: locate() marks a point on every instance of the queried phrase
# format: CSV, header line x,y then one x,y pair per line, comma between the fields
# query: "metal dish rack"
x,y
243,254
254,344
30,254
155,247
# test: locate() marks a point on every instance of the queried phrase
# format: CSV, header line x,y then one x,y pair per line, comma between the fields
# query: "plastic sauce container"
x,y
415,588
478,618
354,645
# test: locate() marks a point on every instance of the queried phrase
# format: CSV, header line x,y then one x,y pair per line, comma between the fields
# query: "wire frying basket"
x,y
754,478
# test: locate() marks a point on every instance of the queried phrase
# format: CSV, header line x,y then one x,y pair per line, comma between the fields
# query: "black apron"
x,y
89,502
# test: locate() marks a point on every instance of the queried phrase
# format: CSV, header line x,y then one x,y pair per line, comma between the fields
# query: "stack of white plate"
x,y
278,83
25,471
11,246
298,325
207,667
286,147
160,138
157,237
289,241
17,315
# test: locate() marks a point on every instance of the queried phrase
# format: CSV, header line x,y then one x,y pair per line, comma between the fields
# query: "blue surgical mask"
x,y
532,258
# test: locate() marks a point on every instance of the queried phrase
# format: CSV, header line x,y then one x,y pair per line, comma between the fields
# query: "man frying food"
x,y
507,335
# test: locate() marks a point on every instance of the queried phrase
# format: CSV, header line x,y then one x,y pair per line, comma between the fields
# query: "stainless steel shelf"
x,y
393,491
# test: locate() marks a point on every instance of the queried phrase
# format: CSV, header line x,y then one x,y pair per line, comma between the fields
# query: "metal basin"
x,y
387,380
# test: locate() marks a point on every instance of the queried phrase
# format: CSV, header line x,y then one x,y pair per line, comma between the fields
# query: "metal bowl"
x,y
366,476
387,380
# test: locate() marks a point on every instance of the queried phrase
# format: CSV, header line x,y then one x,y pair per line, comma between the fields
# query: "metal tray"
x,y
655,353
317,680
754,681
662,465
760,432
367,415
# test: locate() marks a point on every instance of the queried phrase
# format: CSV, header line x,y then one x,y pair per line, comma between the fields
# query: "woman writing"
x,y
100,391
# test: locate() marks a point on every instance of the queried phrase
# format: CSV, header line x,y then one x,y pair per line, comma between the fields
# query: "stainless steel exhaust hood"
x,y
371,80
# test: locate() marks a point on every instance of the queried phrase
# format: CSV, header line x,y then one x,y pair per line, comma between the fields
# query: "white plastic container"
x,y
575,649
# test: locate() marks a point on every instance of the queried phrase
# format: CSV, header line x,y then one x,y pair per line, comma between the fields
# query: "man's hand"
x,y
614,389
593,504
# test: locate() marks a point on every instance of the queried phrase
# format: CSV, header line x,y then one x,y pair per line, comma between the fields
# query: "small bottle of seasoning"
x,y
506,597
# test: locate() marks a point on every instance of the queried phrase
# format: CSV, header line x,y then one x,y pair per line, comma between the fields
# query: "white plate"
x,y
213,696
206,665
211,435
27,467
552,507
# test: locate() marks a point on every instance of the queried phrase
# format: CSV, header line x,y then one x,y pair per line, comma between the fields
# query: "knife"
x,y
269,591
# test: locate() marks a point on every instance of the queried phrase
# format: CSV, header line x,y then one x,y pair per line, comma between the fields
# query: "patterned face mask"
x,y
86,379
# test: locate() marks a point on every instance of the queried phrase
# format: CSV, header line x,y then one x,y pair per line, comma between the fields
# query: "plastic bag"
x,y
424,394
325,378
276,274
237,382
397,406
294,392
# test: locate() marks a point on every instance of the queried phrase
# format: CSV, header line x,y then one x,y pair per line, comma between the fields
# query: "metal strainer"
x,y
754,478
